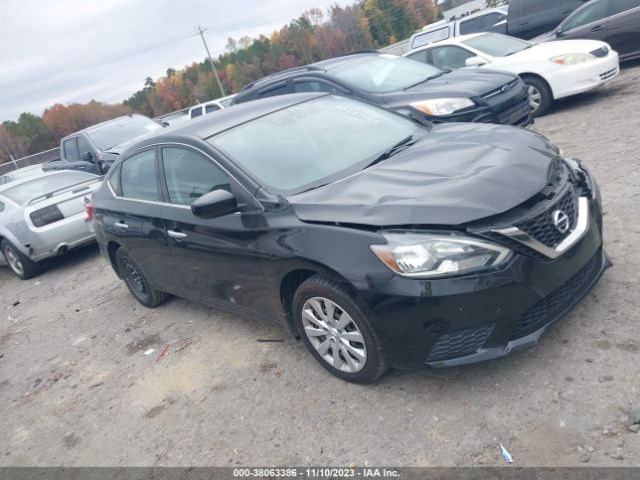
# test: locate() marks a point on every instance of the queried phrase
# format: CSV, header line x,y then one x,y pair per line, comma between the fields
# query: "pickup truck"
x,y
95,148
522,18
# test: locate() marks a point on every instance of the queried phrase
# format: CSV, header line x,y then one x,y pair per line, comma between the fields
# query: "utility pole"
x,y
213,67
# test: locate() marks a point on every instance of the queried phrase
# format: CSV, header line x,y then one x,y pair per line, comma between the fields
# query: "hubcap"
x,y
334,334
13,260
134,276
535,98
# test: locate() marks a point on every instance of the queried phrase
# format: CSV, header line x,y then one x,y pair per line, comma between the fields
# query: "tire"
x,y
359,356
21,265
137,282
540,95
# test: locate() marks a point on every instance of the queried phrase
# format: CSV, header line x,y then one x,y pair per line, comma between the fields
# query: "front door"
x,y
218,258
590,22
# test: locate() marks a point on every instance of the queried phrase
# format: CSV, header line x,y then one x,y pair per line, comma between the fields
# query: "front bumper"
x,y
572,80
456,321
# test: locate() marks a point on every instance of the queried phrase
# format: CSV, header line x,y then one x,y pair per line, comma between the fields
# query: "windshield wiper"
x,y
431,77
398,147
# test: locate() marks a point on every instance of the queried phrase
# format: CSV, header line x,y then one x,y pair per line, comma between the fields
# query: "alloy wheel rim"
x,y
134,276
334,334
535,98
13,260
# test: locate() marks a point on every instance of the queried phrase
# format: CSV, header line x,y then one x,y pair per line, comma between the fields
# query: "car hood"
x,y
458,83
456,174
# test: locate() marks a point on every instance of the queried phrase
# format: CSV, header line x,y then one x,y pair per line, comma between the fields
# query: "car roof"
x,y
451,41
209,125
101,125
322,66
20,181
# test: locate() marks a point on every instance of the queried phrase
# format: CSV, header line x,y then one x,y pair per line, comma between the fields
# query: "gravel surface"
x,y
81,382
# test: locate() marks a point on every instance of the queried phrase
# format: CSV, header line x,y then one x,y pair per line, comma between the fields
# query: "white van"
x,y
487,20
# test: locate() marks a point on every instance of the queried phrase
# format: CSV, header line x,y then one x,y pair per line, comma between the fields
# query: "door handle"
x,y
597,28
176,235
121,225
522,24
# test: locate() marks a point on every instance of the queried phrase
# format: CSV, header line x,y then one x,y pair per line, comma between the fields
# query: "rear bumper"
x,y
572,80
54,239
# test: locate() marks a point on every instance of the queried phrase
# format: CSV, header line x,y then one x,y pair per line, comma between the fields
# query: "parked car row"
x,y
384,209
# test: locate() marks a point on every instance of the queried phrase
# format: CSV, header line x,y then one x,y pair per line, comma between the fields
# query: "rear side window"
x,y
481,23
211,108
71,150
315,86
592,13
138,177
420,56
620,6
196,112
272,92
450,57
422,39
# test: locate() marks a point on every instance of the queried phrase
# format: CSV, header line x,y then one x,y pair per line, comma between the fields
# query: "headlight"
x,y
572,58
435,255
442,106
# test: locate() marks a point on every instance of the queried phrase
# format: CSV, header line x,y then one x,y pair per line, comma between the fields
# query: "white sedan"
x,y
552,70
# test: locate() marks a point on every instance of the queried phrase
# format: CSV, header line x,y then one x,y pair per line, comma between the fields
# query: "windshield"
x,y
383,73
122,131
29,190
312,143
497,45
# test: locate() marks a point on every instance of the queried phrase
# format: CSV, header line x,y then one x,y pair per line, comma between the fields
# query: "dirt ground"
x,y
77,387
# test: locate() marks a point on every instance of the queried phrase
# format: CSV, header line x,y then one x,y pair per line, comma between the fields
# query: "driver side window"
x,y
590,14
190,175
450,57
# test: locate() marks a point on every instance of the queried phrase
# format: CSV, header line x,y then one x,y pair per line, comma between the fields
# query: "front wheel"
x,y
137,282
19,263
540,96
336,332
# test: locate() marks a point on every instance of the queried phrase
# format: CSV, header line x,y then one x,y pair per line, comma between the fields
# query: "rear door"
x,y
589,22
623,29
218,257
134,219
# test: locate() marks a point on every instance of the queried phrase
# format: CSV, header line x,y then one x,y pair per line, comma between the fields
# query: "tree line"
x,y
314,36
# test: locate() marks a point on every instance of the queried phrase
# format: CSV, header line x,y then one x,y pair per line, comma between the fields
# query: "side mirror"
x,y
86,157
165,123
559,32
214,204
475,62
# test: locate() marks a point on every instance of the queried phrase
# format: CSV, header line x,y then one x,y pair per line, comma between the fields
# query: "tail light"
x,y
46,216
89,209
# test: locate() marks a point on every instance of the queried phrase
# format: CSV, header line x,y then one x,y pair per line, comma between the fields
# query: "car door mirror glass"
x,y
475,62
86,157
214,204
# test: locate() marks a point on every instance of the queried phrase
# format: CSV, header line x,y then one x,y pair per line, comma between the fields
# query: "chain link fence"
x,y
35,159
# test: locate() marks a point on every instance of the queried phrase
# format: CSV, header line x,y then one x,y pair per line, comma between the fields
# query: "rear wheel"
x,y
540,96
19,263
137,282
336,332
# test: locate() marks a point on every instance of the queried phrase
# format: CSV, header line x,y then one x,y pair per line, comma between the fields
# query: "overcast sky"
x,y
64,51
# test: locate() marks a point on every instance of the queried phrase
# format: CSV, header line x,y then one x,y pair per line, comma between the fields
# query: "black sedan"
x,y
377,240
421,91
616,22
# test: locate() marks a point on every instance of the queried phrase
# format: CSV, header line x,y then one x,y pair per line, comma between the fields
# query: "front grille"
x,y
541,226
516,113
609,74
460,344
550,307
600,52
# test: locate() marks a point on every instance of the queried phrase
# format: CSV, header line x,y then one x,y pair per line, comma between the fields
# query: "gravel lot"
x,y
77,389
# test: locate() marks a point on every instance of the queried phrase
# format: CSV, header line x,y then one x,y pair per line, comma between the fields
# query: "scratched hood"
x,y
456,174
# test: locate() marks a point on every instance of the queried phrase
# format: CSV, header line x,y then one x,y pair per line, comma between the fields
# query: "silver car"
x,y
44,216
31,171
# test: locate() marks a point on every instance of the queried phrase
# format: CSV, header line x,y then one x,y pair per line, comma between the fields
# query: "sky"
x,y
66,51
